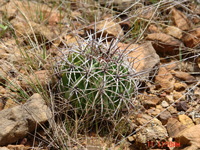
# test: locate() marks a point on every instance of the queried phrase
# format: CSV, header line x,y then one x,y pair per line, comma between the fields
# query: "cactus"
x,y
95,81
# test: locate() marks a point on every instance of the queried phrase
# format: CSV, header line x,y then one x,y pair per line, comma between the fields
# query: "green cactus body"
x,y
92,84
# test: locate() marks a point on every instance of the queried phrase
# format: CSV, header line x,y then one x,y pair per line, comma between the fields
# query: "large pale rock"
x,y
192,38
164,44
17,122
189,137
142,57
154,132
4,148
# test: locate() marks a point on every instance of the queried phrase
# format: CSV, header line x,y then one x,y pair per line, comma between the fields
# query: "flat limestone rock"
x,y
17,122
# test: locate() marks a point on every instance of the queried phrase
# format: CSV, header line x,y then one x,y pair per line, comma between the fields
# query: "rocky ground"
x,y
162,38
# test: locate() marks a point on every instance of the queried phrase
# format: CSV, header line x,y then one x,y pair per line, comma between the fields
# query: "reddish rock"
x,y
151,102
163,117
180,86
180,20
153,29
181,106
174,127
165,80
164,44
184,76
192,38
189,137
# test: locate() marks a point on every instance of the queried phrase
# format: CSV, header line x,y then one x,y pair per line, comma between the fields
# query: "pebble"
x,y
164,104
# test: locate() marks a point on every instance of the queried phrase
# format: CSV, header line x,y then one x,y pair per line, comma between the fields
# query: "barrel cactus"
x,y
95,80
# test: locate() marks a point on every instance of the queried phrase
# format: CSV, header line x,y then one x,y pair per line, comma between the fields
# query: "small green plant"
x,y
2,30
95,81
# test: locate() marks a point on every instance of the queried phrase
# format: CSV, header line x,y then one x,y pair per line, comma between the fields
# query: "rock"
x,y
185,120
163,94
173,31
17,122
164,104
41,77
142,57
4,90
16,147
197,60
181,106
11,51
192,38
4,148
130,139
197,121
163,117
178,95
109,29
165,80
189,137
13,83
172,110
1,104
10,104
164,44
184,76
180,20
188,66
197,92
3,75
169,99
159,107
173,65
151,102
70,40
153,29
142,119
154,132
5,69
174,127
180,86
153,112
